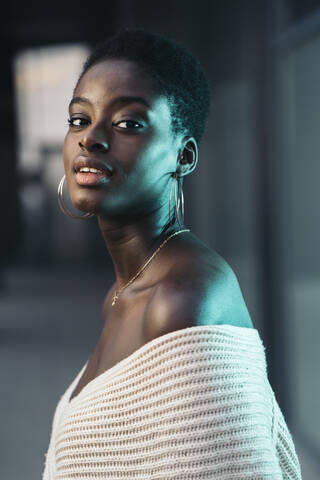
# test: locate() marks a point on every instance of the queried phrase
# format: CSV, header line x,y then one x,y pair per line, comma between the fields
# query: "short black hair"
x,y
176,72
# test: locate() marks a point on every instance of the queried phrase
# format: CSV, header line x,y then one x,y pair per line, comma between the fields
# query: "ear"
x,y
188,156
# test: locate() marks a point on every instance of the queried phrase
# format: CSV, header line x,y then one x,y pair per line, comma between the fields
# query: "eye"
x,y
77,122
129,124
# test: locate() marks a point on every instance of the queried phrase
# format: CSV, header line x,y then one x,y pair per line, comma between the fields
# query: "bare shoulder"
x,y
201,289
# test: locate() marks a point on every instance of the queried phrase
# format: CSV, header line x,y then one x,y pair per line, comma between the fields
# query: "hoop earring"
x,y
178,197
64,208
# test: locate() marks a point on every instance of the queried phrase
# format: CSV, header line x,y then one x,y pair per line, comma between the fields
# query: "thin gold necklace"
x,y
117,292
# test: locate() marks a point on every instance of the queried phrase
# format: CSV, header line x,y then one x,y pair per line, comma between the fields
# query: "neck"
x,y
130,243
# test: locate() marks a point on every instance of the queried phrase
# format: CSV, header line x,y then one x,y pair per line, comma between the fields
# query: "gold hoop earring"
x,y
178,197
64,208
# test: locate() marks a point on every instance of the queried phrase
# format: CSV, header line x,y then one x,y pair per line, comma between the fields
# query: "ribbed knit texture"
x,y
192,404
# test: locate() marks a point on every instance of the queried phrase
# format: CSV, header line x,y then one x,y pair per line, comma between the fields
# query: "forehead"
x,y
117,77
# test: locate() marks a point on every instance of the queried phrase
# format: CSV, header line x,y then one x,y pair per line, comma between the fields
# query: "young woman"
x,y
177,385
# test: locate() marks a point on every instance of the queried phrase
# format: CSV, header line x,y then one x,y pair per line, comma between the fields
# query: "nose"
x,y
98,146
91,142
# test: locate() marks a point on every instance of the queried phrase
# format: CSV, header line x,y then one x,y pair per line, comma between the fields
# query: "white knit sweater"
x,y
192,404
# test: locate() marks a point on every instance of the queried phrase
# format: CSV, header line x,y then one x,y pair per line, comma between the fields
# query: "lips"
x,y
83,161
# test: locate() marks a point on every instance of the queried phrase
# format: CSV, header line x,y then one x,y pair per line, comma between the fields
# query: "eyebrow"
x,y
124,100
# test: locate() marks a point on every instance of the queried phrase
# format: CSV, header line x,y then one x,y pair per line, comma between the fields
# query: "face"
x,y
115,104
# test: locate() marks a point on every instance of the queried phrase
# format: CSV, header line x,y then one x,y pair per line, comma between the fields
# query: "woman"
x,y
176,386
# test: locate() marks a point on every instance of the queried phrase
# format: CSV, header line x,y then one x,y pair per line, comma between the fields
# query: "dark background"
x,y
254,198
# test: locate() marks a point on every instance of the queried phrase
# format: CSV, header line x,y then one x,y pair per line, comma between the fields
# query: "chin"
x,y
81,200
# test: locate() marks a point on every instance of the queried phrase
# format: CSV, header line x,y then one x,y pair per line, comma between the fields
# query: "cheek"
x,y
151,173
159,163
157,156
144,157
68,152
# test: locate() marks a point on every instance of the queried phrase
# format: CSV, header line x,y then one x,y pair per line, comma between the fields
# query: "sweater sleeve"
x,y
286,453
224,415
192,404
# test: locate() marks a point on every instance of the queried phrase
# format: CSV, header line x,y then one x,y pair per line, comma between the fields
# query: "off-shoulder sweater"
x,y
194,403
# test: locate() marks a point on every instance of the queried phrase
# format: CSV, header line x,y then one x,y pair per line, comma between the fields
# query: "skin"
x,y
186,284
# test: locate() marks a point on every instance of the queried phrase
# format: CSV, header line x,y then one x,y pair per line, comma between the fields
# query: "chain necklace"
x,y
117,292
